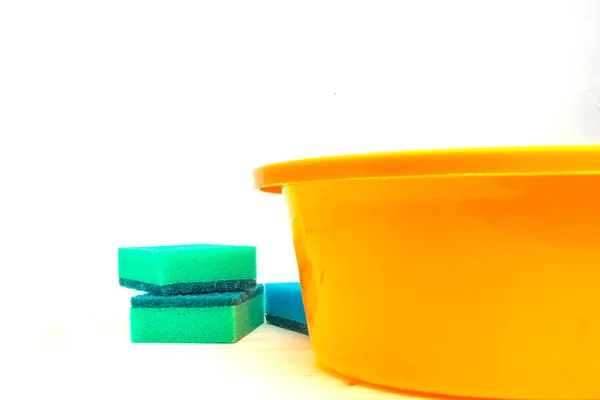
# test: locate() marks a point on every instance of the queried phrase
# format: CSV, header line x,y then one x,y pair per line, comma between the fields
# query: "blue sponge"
x,y
284,306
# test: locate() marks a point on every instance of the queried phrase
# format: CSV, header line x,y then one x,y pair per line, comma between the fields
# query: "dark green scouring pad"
x,y
205,318
188,269
288,324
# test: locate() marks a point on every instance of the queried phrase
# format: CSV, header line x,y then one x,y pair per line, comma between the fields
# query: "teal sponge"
x,y
284,306
188,269
206,318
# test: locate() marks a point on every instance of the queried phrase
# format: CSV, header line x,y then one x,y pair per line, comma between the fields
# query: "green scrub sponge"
x,y
206,318
188,269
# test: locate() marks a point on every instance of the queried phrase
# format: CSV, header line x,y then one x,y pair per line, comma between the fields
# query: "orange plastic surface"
x,y
469,285
497,161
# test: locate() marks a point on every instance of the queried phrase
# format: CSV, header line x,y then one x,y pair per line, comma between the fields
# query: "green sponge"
x,y
188,269
206,318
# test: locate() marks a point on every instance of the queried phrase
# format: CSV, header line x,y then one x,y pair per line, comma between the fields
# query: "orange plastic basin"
x,y
466,272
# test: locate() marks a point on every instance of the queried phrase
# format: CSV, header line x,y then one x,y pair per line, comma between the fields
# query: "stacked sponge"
x,y
204,293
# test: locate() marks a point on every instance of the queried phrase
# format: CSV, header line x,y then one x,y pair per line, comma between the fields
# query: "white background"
x,y
126,123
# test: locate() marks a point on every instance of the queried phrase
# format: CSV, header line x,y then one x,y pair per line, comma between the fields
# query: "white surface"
x,y
127,122
267,364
